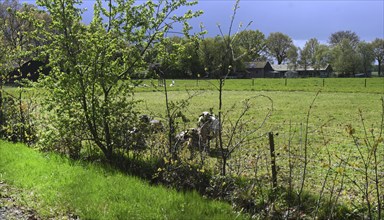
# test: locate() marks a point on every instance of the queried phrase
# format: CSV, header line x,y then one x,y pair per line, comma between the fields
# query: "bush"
x,y
182,176
17,121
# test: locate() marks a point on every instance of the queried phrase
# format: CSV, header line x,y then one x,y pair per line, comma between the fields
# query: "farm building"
x,y
258,69
30,70
267,70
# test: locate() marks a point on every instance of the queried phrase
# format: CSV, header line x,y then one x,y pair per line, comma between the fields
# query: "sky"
x,y
300,19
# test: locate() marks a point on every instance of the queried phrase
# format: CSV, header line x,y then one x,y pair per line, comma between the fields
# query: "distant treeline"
x,y
196,56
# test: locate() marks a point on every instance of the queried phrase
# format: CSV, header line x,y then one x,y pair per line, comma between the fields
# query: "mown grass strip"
x,y
53,185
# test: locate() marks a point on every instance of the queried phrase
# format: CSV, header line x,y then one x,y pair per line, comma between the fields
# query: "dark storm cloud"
x,y
301,20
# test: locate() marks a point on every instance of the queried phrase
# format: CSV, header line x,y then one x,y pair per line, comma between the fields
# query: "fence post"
x,y
365,83
285,81
323,82
273,161
253,82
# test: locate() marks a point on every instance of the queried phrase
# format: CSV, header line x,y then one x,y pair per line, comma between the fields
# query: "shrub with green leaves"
x,y
89,92
17,123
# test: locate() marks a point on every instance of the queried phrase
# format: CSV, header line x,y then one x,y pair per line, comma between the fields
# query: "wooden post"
x,y
285,81
323,82
365,83
253,82
273,161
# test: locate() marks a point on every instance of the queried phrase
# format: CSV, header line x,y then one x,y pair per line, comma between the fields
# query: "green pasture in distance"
x,y
361,85
330,115
331,112
340,107
355,85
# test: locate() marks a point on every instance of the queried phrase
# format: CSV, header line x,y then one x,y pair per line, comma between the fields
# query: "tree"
x,y
323,56
18,38
212,52
308,53
337,38
378,52
19,27
185,62
278,45
252,44
292,57
365,52
89,87
345,58
207,54
189,58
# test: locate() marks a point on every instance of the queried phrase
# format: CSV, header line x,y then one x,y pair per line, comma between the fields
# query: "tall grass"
x,y
55,186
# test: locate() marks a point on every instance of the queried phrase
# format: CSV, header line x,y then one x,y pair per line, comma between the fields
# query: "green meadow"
x,y
335,162
350,85
340,104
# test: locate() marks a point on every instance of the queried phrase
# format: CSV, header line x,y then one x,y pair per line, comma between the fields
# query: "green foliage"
x,y
338,37
212,51
346,60
19,33
292,56
179,57
350,55
378,51
221,187
323,56
278,45
17,121
366,56
252,44
182,176
19,38
309,52
89,86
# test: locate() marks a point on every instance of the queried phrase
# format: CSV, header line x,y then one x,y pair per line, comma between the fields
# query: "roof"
x,y
287,67
281,67
256,65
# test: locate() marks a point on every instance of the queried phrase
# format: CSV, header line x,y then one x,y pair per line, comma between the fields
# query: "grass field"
x,y
337,109
338,103
330,147
56,187
353,85
335,161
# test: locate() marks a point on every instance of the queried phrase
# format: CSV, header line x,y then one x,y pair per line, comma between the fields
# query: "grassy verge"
x,y
54,186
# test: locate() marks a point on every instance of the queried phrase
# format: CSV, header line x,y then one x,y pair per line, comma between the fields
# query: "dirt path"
x,y
9,209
